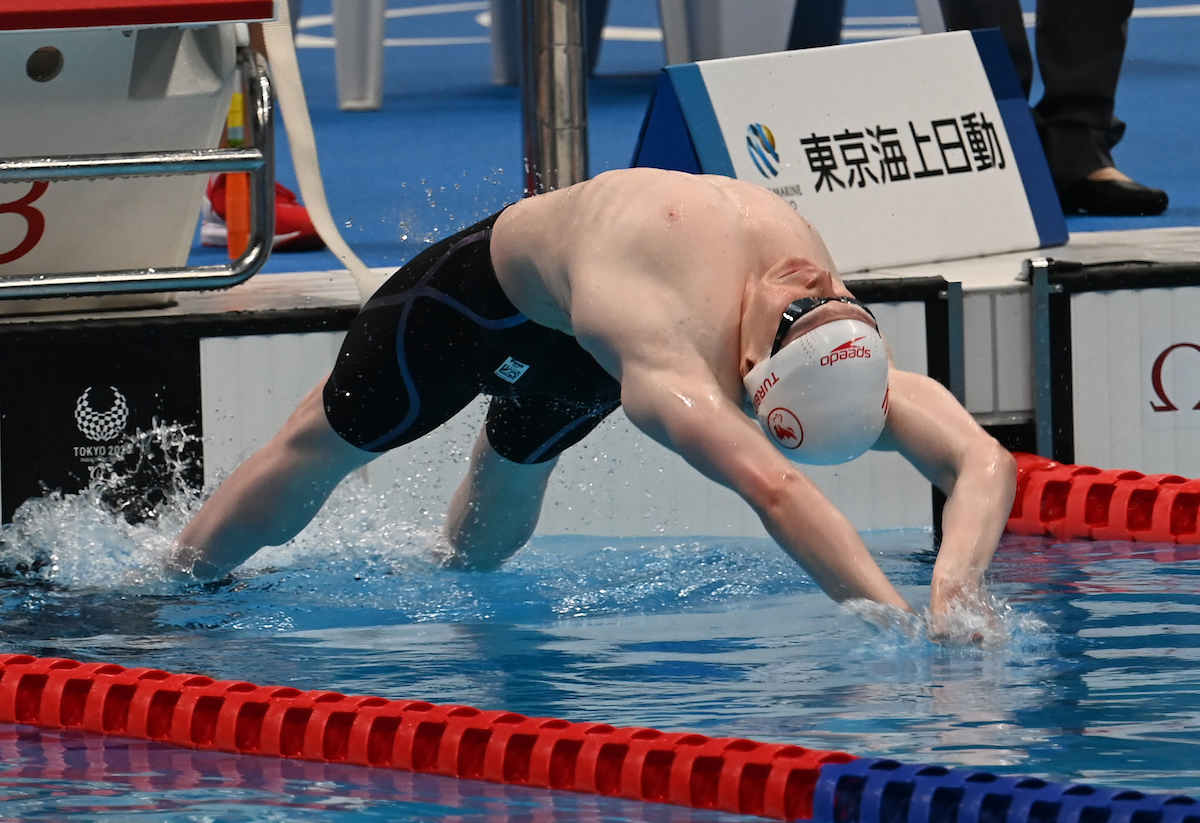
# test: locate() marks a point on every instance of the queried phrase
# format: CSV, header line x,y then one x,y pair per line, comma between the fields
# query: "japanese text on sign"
x,y
879,155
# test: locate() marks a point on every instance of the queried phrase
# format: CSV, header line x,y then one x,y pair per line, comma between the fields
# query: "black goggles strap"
x,y
803,306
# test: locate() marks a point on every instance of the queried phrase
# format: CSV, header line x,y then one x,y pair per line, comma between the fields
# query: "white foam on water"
x,y
995,624
116,530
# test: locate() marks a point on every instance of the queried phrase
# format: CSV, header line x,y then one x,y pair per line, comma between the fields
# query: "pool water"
x,y
1092,675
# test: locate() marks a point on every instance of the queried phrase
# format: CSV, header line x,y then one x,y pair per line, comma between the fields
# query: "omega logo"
x,y
1156,378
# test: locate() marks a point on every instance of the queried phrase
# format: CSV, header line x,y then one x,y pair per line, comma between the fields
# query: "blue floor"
x,y
445,149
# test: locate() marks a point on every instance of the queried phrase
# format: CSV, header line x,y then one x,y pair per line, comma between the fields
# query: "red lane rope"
x,y
197,712
1086,503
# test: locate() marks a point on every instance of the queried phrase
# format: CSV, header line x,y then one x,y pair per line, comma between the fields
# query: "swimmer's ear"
x,y
748,364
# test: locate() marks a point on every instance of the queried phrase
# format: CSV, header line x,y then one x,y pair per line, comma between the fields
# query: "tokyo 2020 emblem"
x,y
101,426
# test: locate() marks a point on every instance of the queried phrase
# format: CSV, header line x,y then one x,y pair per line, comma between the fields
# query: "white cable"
x,y
289,90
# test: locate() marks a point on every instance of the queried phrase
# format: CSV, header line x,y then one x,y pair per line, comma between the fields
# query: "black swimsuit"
x,y
439,333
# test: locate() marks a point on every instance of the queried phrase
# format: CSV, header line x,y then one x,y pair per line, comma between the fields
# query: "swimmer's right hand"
x,y
961,614
886,618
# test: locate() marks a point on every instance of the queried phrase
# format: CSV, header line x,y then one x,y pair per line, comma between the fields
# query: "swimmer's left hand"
x,y
960,613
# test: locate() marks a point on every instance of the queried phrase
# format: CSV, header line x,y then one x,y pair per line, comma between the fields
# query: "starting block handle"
x,y
142,164
258,161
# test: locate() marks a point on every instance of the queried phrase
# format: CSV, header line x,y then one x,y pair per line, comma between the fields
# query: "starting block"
x,y
113,108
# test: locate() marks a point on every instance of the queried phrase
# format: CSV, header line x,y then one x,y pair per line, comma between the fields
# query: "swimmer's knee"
x,y
308,432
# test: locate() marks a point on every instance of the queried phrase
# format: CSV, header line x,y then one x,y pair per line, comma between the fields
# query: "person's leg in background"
x,y
816,23
1080,49
964,15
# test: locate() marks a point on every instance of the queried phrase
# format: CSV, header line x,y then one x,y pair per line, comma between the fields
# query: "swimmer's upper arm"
x,y
938,436
930,428
692,416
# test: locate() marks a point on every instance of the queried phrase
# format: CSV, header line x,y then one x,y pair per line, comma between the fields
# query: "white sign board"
x,y
899,152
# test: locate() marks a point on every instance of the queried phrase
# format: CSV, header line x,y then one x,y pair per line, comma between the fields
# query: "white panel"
x,y
1089,347
616,482
1012,313
1123,369
1156,332
903,326
248,387
979,355
1116,340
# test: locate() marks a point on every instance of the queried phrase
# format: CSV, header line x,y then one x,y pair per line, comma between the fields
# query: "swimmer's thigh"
x,y
401,373
537,429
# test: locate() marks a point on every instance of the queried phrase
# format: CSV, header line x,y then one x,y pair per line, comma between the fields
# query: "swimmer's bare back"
x,y
646,257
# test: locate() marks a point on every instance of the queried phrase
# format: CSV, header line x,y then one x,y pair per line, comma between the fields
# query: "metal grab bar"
x,y
195,161
259,161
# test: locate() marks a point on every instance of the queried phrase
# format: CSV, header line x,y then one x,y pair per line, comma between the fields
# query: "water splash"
x,y
116,530
995,624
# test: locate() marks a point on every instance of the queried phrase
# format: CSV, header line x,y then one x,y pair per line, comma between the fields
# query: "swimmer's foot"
x,y
1111,193
183,564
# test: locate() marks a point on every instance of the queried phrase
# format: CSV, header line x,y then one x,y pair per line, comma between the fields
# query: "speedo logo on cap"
x,y
847,351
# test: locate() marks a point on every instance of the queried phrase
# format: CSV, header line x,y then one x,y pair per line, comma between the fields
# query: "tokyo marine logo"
x,y
846,351
785,428
101,426
761,145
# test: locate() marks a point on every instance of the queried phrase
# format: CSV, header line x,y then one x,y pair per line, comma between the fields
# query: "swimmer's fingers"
x,y
961,614
888,619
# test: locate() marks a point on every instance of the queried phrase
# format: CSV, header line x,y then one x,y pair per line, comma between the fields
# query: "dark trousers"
x,y
1080,47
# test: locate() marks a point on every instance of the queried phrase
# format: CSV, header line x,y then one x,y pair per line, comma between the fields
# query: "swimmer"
x,y
688,300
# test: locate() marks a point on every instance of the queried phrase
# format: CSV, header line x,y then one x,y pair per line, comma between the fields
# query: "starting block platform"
x,y
113,113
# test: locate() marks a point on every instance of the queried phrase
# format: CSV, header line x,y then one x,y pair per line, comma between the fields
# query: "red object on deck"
x,y
1086,503
197,712
16,15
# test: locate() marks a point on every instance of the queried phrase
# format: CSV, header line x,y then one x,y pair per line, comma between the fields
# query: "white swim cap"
x,y
822,399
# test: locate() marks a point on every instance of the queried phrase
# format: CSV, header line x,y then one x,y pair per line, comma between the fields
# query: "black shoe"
x,y
1115,198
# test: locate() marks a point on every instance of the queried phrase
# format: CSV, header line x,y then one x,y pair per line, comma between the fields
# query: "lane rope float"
x,y
736,775
1086,503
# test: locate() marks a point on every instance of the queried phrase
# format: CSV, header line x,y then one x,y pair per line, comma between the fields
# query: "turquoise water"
x,y
1092,676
